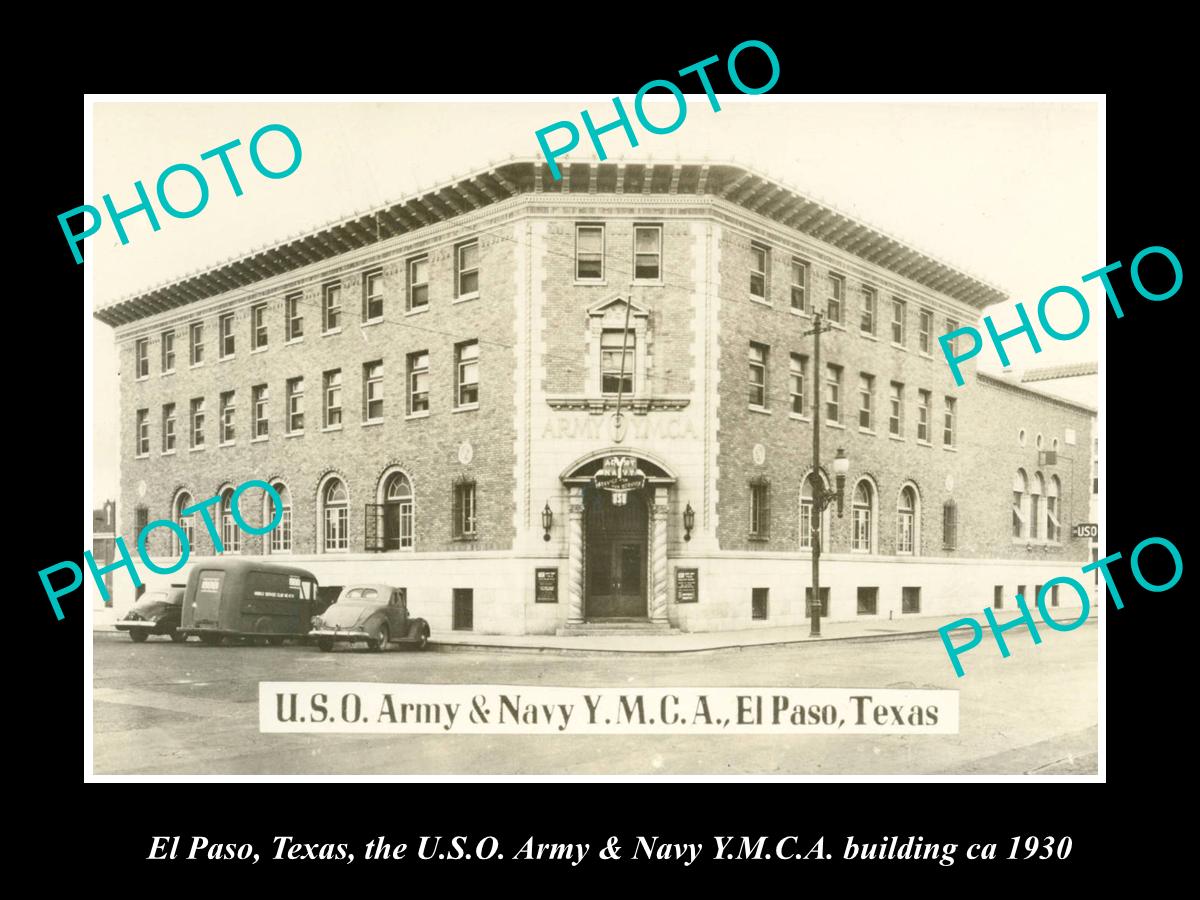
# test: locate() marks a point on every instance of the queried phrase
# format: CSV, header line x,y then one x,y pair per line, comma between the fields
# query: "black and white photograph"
x,y
528,436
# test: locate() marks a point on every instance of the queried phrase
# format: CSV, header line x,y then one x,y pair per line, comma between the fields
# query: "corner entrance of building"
x,y
615,555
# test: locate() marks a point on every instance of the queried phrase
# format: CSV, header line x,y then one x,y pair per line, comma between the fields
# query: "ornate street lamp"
x,y
547,521
689,522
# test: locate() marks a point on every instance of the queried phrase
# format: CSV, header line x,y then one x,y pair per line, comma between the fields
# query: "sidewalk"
x,y
682,642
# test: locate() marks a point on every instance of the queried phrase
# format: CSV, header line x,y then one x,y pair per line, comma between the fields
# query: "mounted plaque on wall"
x,y
545,582
687,585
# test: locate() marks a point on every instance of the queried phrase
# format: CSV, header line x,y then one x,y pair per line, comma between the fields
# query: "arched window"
x,y
281,535
807,520
182,502
1039,441
1020,509
335,516
862,538
1053,529
397,512
906,520
1035,506
231,535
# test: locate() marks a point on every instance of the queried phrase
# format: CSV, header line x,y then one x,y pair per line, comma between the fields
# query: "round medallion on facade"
x,y
760,454
617,425
466,453
141,489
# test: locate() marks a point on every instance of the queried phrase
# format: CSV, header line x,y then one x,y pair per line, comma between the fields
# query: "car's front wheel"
x,y
324,644
421,637
178,637
275,640
138,635
381,640
212,640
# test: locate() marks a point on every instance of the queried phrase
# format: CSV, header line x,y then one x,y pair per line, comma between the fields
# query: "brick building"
x,y
432,383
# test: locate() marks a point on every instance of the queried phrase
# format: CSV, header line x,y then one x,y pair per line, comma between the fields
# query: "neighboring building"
x,y
104,530
426,382
1078,382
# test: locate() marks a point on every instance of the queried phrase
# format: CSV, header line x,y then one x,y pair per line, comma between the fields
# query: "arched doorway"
x,y
617,563
616,541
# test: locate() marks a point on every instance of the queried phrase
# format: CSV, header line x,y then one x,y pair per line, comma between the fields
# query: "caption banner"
x,y
520,709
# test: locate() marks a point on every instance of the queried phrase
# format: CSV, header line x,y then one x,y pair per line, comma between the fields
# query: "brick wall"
x,y
977,474
426,448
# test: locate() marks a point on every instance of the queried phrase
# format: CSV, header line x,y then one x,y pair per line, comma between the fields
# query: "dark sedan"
x,y
158,612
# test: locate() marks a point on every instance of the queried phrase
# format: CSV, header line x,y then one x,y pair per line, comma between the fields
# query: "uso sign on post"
x,y
184,548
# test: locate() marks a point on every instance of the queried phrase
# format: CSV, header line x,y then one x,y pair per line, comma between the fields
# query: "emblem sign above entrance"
x,y
619,475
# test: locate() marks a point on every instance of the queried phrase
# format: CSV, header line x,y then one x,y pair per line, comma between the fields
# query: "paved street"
x,y
163,708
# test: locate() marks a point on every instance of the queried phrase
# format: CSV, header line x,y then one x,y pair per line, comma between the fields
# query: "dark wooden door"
x,y
616,558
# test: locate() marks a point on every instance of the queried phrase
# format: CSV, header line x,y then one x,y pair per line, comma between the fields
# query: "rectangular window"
x,y
760,509
758,602
808,599
1037,592
168,351
294,313
331,307
998,597
758,375
866,400
837,297
896,416
589,252
141,358
924,412
910,600
1021,592
295,405
373,296
418,283
197,422
196,342
899,312
799,285
168,428
1054,595
227,409
870,298
141,517
467,268
260,397
616,372
418,382
373,391
949,525
464,509
833,394
142,438
796,371
868,601
647,252
331,388
951,325
463,616
258,326
225,334
466,357
925,332
948,426
759,256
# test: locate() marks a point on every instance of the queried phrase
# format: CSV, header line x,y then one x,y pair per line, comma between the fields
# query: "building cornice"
x,y
485,188
1018,388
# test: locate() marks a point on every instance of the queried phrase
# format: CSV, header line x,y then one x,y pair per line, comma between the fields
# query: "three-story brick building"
x,y
432,387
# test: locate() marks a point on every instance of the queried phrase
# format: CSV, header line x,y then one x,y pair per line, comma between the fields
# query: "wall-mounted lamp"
x,y
689,522
547,521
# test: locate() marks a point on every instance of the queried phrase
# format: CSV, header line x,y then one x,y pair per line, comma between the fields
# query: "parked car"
x,y
250,599
158,612
375,613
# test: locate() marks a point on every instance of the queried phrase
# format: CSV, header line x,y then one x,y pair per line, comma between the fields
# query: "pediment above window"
x,y
612,310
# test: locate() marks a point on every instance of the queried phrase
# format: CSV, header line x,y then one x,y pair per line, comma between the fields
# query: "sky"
x,y
1003,191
